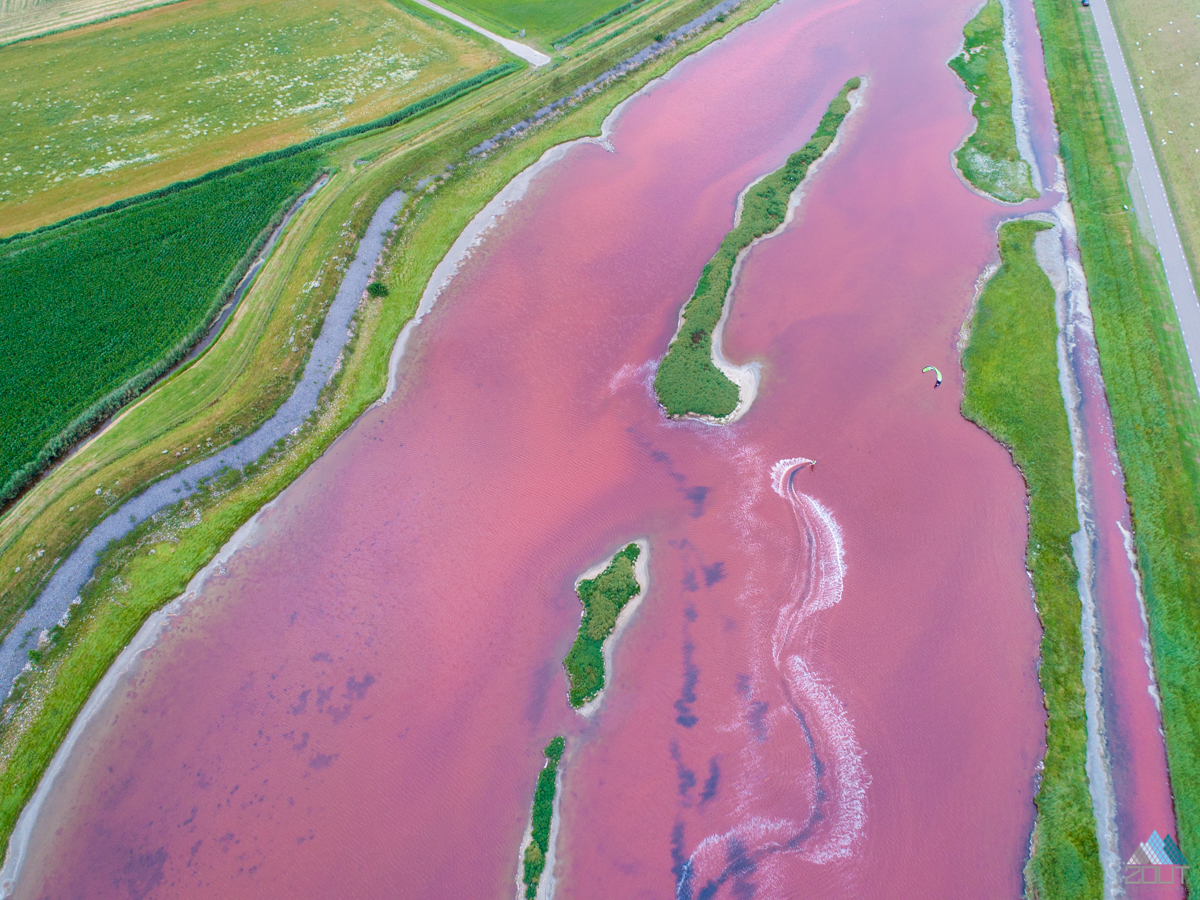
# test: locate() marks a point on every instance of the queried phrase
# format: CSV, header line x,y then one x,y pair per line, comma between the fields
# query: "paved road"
x,y
1170,248
527,53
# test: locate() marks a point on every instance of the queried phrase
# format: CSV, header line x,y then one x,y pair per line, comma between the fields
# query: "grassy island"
x,y
1147,376
1012,391
603,598
538,848
688,381
989,158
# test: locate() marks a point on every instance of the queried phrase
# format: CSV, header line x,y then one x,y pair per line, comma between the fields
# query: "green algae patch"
x,y
1012,391
537,850
688,381
989,158
603,598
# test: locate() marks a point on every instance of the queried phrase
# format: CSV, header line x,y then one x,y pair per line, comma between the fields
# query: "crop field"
x,y
23,19
1161,39
544,21
85,334
989,158
199,85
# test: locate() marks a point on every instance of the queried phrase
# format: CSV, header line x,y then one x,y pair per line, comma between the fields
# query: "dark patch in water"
x,y
711,782
756,718
539,691
322,657
696,496
322,760
301,702
687,696
687,778
689,581
713,573
356,690
323,695
144,872
679,863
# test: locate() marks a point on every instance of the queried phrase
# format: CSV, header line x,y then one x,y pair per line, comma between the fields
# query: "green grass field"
x,y
534,863
687,381
603,598
1012,392
544,21
989,158
243,377
93,115
1161,40
1156,416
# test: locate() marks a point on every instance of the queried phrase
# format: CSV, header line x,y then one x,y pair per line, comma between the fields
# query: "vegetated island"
x,y
536,855
989,158
1148,379
1012,391
689,380
604,598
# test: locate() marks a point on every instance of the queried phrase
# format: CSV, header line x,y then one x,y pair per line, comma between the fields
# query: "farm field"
x,y
203,83
544,21
1161,40
24,19
177,256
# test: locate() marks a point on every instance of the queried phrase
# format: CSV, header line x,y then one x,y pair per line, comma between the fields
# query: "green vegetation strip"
x,y
543,812
989,158
1012,391
600,22
687,381
125,291
1148,381
603,598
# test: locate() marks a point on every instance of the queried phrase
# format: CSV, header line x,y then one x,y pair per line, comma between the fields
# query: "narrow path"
x,y
75,571
1170,248
527,53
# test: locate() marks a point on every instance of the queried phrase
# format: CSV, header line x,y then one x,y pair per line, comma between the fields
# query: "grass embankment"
x,y
250,370
603,598
687,381
89,281
1148,382
538,849
1161,42
112,110
1012,391
989,158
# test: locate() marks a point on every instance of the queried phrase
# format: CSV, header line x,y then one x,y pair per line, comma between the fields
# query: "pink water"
x,y
830,688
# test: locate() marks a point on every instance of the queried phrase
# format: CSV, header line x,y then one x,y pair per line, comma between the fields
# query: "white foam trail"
x,y
1147,655
837,820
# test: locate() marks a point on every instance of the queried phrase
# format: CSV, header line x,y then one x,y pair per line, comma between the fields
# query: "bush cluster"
x,y
543,811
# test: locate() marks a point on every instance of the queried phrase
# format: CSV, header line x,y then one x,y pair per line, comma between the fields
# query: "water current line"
x,y
837,807
56,599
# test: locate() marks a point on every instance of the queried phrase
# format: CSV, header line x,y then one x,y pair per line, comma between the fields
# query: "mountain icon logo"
x,y
1157,860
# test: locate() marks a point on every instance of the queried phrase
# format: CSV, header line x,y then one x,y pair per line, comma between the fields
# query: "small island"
x,y
692,379
989,158
604,597
536,856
